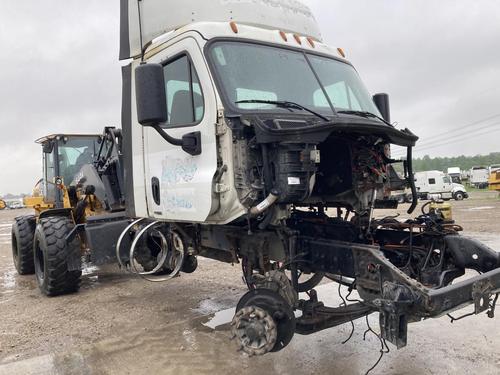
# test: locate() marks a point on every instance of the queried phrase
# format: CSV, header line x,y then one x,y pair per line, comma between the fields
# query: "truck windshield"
x,y
250,71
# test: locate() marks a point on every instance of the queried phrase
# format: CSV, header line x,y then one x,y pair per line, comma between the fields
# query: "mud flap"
x,y
74,255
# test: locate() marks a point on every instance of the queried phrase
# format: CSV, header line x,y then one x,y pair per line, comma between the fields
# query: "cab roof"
x,y
52,137
207,31
142,22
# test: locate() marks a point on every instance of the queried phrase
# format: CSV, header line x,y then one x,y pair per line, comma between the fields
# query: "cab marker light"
x,y
341,52
234,27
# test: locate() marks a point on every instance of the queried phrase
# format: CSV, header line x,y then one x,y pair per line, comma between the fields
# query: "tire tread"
x,y
25,226
59,280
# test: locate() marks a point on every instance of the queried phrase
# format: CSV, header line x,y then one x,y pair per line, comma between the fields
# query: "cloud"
x,y
59,70
440,62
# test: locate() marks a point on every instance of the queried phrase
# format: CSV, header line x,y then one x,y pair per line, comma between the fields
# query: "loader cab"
x,y
63,157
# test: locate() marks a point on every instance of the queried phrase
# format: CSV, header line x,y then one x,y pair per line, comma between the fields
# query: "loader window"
x,y
74,154
432,181
184,96
48,186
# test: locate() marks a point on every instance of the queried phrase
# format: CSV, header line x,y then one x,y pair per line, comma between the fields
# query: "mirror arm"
x,y
168,138
190,142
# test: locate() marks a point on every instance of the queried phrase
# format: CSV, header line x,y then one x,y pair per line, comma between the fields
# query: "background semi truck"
x,y
438,184
455,174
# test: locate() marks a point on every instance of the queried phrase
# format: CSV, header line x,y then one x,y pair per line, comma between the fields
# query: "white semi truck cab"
x,y
438,184
248,140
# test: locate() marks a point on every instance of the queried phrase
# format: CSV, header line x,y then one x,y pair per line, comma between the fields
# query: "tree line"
x,y
463,162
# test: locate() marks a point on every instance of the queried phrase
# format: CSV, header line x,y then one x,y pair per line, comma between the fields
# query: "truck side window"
x,y
185,103
432,181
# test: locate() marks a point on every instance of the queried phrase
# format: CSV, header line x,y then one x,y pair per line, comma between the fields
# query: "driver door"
x,y
178,185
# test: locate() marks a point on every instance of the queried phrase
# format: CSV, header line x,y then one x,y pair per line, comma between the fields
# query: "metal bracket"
x,y
220,126
78,229
393,322
221,188
482,292
394,308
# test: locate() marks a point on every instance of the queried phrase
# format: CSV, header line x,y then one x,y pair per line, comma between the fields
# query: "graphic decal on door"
x,y
176,174
175,171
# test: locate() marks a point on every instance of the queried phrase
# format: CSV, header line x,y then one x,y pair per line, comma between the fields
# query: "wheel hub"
x,y
255,330
264,322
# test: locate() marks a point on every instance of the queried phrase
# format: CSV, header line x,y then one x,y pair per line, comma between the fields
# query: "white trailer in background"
x,y
456,174
479,177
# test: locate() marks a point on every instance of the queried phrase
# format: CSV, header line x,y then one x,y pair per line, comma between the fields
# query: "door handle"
x,y
155,187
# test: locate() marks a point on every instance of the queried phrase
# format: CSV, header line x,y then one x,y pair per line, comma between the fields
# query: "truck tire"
x,y
23,232
51,255
409,198
459,196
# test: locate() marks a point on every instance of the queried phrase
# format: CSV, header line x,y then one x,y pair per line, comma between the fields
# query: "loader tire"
x,y
23,231
51,257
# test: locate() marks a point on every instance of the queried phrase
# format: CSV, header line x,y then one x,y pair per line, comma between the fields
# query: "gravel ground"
x,y
118,324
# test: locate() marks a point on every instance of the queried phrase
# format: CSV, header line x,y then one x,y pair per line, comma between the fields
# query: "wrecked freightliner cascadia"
x,y
248,140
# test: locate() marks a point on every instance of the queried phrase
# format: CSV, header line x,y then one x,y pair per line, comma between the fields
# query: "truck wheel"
x,y
190,264
459,196
409,198
401,199
51,257
23,231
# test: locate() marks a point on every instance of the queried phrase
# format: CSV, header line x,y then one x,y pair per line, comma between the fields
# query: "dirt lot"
x,y
119,324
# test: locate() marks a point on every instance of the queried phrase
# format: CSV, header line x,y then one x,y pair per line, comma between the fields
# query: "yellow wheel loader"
x,y
75,193
3,205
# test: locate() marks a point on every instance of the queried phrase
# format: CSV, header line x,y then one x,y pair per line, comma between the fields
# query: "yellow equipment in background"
x,y
63,157
71,197
495,181
36,201
442,207
3,205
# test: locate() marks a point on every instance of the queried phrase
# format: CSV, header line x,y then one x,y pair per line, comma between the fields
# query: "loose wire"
x,y
384,349
344,303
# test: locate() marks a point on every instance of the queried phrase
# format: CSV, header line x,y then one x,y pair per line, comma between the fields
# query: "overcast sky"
x,y
439,61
